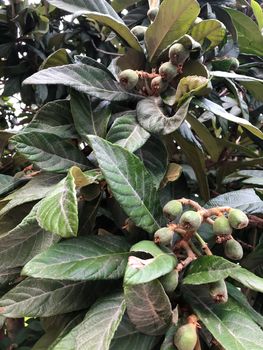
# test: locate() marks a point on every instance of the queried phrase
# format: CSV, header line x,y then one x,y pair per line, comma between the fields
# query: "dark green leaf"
x,y
148,307
49,151
126,132
83,78
248,279
152,118
246,200
89,258
101,321
40,297
130,183
127,337
54,118
8,183
155,158
88,118
57,58
207,269
35,189
229,324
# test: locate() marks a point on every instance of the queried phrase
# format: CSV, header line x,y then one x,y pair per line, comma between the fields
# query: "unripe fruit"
x,y
168,71
173,209
225,64
152,13
186,337
163,236
178,54
139,32
237,219
221,226
170,281
158,85
233,249
218,291
128,79
190,220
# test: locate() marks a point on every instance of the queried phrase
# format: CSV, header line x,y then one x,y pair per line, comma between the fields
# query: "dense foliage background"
x,y
87,165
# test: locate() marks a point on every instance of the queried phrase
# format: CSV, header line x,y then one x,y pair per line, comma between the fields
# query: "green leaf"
x,y
248,279
148,307
243,302
100,6
168,343
101,321
221,112
246,200
250,40
155,158
258,13
253,85
126,132
83,78
196,159
210,29
151,116
127,337
208,140
207,269
58,211
89,118
83,258
130,183
229,323
173,21
102,12
57,58
145,270
54,118
49,151
25,241
35,189
8,183
40,297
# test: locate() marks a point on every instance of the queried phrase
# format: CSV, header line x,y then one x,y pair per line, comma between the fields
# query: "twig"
x,y
106,52
203,244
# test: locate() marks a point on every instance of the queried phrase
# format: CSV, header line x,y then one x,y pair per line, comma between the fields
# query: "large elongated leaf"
x,y
126,132
155,158
83,78
9,275
89,119
98,327
35,189
24,242
89,258
173,21
148,307
221,112
8,183
151,116
73,6
228,323
209,269
146,270
58,211
49,151
40,297
250,40
130,183
246,200
103,13
127,337
248,279
55,118
210,29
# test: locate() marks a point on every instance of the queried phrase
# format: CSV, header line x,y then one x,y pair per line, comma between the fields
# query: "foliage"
x,y
110,110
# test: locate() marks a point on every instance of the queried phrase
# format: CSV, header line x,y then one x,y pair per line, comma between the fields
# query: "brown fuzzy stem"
x,y
146,75
223,238
190,255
